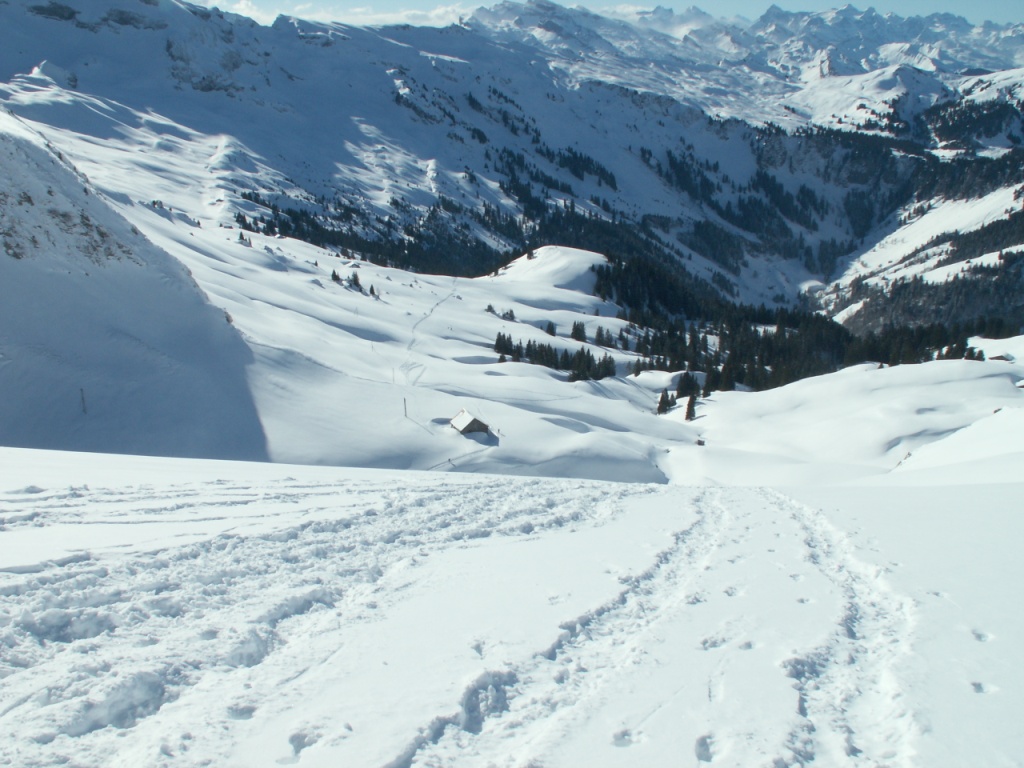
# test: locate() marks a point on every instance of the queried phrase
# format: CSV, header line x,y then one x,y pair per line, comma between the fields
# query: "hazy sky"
x,y
435,12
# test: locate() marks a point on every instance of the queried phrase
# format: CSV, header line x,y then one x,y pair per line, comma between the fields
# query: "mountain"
x,y
451,149
704,523
708,160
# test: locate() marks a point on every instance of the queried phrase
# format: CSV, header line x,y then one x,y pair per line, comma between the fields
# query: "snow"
x,y
905,251
849,102
84,365
804,590
888,258
568,269
824,573
825,577
310,352
375,115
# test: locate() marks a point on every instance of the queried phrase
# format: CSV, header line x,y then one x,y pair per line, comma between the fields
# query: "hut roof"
x,y
465,421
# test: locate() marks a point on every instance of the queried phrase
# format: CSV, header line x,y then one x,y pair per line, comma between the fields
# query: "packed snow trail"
x,y
439,620
755,638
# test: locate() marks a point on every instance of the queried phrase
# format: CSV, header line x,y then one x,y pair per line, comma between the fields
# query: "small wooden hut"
x,y
466,423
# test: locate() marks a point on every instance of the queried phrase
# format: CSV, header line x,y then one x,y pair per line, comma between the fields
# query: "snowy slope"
x,y
863,421
106,343
218,105
181,612
340,376
824,573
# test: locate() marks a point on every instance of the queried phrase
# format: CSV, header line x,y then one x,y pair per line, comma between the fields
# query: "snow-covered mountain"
x,y
267,160
742,69
316,244
452,149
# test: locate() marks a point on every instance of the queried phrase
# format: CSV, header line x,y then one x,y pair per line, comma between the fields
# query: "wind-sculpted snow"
x,y
211,613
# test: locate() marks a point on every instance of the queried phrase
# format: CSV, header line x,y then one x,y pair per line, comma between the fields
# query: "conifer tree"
x,y
664,403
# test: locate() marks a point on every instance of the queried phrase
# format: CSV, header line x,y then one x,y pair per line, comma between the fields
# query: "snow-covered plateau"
x,y
237,527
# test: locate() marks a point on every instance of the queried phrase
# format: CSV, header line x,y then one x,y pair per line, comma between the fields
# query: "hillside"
x,y
106,343
834,586
757,162
269,160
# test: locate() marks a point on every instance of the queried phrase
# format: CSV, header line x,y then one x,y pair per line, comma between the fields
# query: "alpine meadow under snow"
x,y
250,274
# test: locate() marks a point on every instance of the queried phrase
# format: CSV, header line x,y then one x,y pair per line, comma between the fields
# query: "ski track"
x,y
849,687
103,641
559,679
847,709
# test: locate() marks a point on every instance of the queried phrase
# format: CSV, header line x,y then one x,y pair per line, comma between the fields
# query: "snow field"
x,y
323,576
946,542
860,422
830,579
180,613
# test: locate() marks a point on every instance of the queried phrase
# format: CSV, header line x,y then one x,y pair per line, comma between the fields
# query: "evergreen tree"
x,y
710,381
691,408
664,402
687,385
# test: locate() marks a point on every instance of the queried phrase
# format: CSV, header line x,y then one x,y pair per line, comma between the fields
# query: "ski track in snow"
x,y
561,677
96,644
847,705
412,370
850,683
99,642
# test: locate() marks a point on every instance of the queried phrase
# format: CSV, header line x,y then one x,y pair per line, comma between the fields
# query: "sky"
x,y
432,12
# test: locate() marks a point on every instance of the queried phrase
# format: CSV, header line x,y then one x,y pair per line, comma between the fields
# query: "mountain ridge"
x,y
454,129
